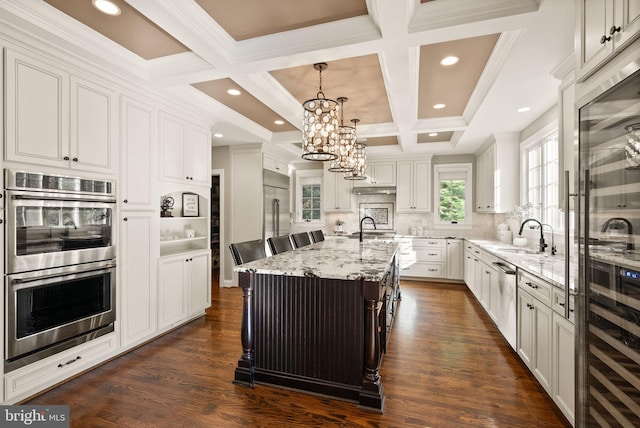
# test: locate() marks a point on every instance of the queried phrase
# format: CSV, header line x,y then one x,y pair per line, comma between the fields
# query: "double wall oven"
x,y
60,264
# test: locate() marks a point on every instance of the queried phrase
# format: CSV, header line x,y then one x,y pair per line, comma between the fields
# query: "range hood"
x,y
375,190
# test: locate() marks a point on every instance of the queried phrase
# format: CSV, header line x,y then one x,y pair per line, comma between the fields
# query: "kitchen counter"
x,y
334,258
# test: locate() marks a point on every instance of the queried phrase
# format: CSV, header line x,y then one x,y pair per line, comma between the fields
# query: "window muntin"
x,y
543,186
311,207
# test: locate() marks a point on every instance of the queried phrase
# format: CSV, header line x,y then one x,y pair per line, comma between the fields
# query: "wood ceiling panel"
x,y
245,103
359,79
246,19
130,29
442,136
451,85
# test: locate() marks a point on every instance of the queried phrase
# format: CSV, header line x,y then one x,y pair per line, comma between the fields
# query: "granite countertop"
x,y
334,258
543,265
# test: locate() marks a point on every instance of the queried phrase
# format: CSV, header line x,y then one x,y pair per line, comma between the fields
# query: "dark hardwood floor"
x,y
446,366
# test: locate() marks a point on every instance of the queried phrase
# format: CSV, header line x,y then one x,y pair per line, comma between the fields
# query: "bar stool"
x,y
279,244
247,251
300,239
317,235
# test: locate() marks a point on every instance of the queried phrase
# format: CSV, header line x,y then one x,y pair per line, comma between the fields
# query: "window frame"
x,y
303,177
466,172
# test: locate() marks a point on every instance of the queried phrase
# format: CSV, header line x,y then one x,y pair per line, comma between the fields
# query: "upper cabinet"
x,y
604,28
497,175
275,163
413,179
56,119
337,193
379,174
185,151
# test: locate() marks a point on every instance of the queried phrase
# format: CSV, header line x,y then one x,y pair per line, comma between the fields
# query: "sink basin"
x,y
516,250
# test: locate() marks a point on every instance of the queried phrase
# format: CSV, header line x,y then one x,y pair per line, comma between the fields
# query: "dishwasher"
x,y
506,313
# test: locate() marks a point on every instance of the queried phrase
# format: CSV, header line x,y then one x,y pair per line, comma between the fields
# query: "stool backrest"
x,y
300,239
247,251
317,235
279,244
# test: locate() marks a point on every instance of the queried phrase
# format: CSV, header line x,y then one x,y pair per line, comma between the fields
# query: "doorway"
x,y
216,228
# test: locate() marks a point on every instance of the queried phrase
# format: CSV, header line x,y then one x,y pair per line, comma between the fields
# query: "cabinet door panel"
x,y
172,148
525,327
37,111
92,126
421,185
564,366
542,345
404,195
171,296
200,156
385,173
200,283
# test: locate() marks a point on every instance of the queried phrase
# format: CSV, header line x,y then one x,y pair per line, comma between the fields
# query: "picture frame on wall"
x,y
190,204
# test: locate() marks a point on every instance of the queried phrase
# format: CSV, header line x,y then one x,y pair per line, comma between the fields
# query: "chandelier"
x,y
346,141
320,125
358,159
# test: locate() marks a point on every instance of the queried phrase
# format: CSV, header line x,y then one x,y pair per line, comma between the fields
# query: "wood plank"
x,y
446,366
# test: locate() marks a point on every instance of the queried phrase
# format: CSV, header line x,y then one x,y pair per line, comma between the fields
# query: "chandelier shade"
x,y
345,146
320,125
358,159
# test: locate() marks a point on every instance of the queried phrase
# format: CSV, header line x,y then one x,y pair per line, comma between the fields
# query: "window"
x,y
542,180
309,195
453,186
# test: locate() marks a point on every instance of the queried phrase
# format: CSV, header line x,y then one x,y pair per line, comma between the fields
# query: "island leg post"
x,y
244,371
371,394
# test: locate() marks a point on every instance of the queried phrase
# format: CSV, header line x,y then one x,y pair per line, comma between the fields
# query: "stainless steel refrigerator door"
x,y
276,212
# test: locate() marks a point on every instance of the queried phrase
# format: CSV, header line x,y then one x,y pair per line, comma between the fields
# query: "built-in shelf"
x,y
173,230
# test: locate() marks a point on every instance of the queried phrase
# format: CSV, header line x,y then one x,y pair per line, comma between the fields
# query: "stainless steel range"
x,y
60,260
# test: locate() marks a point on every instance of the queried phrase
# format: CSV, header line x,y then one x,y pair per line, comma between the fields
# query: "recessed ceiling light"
x,y
279,122
439,106
106,6
433,134
218,135
523,109
449,60
233,92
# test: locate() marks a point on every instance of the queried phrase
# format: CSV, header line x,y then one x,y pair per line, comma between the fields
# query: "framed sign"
x,y
190,205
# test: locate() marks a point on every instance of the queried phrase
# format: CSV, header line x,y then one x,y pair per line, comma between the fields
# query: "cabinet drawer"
x,y
429,243
423,270
429,254
36,377
538,288
557,303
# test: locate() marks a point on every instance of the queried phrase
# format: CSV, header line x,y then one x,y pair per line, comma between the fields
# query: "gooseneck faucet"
x,y
362,220
543,244
553,243
607,224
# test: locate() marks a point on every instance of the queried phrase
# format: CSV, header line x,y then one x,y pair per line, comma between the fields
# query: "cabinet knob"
x,y
613,30
66,158
126,201
75,159
604,39
125,219
1,221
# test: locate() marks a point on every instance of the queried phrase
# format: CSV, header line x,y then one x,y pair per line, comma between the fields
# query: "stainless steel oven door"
x,y
46,230
47,307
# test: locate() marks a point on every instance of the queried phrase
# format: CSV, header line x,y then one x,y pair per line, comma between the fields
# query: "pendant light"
x,y
320,125
346,141
358,159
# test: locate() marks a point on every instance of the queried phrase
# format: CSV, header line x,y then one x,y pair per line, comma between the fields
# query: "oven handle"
x,y
39,280
107,200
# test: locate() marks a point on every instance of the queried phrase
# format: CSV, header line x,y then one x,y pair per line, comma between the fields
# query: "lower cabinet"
x,y
184,287
431,258
563,359
534,337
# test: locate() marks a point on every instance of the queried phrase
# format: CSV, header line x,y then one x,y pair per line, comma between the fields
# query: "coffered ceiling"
x,y
383,56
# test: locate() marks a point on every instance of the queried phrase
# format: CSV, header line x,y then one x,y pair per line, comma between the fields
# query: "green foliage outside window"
x,y
311,202
452,200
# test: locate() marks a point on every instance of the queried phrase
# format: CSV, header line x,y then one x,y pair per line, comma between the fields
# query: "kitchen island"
x,y
318,318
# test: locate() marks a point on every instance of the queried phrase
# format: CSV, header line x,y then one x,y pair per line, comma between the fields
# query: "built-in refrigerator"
x,y
608,220
276,219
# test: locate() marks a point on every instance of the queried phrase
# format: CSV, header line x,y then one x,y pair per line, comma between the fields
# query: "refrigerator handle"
x,y
567,243
276,217
587,196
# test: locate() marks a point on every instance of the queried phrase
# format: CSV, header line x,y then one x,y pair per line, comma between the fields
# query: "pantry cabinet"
x,y
184,287
413,179
605,27
185,151
56,119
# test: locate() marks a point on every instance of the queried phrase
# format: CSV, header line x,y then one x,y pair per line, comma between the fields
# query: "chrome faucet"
x,y
362,220
543,244
607,224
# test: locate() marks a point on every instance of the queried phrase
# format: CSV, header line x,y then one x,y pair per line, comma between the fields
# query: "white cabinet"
x,y
184,287
337,193
563,355
378,174
489,296
423,258
275,163
534,337
497,175
604,28
455,259
413,180
469,269
138,151
137,262
185,151
56,119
